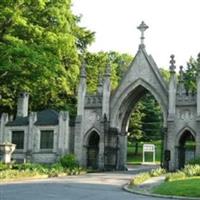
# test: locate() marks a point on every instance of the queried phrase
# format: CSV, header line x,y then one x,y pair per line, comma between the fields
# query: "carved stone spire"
x,y
100,80
181,74
108,70
198,63
100,84
83,71
142,27
172,66
181,87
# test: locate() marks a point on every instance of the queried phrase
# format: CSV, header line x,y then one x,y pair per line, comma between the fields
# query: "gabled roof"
x,y
47,117
19,121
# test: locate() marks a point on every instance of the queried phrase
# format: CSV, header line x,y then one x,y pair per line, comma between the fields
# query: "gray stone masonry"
x,y
106,117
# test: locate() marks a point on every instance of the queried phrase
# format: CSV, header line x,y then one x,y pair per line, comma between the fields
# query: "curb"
x,y
145,193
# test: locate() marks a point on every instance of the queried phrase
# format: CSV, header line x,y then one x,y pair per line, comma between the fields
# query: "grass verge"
x,y
187,187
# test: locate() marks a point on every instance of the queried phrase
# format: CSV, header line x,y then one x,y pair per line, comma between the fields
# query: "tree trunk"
x,y
136,148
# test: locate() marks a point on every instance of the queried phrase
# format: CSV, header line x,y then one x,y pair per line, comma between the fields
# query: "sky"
x,y
174,27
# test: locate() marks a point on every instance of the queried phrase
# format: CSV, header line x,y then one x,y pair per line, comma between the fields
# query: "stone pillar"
x,y
198,88
101,152
171,143
78,149
198,97
22,105
30,135
63,138
122,152
106,93
197,140
81,92
172,90
4,120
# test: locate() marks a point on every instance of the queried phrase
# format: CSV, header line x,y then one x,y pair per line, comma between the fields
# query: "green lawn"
x,y
187,187
137,159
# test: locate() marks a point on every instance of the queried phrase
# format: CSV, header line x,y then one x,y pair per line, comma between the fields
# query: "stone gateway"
x,y
98,137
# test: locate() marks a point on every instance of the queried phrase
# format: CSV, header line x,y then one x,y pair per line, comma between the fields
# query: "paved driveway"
x,y
98,186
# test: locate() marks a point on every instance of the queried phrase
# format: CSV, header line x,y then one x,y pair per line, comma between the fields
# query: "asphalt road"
x,y
98,186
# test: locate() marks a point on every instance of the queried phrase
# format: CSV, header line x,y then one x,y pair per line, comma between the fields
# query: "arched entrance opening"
x,y
93,150
145,126
124,104
186,148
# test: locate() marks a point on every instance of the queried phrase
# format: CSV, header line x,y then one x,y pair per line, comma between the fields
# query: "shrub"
x,y
175,176
69,161
157,172
3,166
35,167
140,178
192,170
195,161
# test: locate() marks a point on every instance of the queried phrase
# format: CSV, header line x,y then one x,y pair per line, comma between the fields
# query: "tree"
x,y
40,44
135,132
97,62
190,74
152,118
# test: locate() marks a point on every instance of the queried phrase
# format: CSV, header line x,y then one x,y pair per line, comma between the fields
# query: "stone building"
x,y
99,136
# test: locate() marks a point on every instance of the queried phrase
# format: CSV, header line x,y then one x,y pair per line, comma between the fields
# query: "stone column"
x,y
30,135
4,120
22,105
78,140
101,152
122,152
81,92
106,93
198,96
63,139
172,90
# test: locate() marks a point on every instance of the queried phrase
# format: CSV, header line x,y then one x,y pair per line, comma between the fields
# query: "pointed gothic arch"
x,y
186,146
92,141
128,98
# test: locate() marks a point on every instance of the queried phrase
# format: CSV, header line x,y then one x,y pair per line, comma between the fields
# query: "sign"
x,y
149,148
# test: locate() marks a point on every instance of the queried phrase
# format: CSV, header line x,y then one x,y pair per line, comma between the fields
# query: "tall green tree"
x,y
97,62
152,118
190,74
135,132
40,44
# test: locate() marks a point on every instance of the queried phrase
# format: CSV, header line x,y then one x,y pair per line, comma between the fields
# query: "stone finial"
x,y
100,84
142,27
172,62
198,57
100,80
83,70
22,104
181,73
198,63
108,70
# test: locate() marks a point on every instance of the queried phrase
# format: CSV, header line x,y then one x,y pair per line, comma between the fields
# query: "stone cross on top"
x,y
142,27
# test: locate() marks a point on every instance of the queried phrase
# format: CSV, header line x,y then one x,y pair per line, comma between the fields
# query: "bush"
x,y
157,172
140,178
69,161
195,161
35,167
175,176
192,170
3,166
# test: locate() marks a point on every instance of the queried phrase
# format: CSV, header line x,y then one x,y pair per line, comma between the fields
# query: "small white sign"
x,y
149,148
